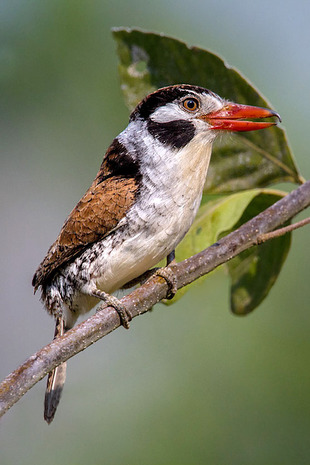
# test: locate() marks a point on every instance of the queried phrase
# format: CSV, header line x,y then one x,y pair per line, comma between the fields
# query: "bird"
x,y
140,205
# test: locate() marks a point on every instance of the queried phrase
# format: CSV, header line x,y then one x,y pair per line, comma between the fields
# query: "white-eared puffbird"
x,y
139,207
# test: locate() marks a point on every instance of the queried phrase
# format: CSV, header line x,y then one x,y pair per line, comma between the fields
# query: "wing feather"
x,y
97,214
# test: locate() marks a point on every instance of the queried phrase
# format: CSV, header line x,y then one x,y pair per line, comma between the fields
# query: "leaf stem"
x,y
295,176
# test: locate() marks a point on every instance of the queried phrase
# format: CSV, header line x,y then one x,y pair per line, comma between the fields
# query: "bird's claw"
x,y
170,278
114,302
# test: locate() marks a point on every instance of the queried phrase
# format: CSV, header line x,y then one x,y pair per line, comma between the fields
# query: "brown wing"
x,y
97,213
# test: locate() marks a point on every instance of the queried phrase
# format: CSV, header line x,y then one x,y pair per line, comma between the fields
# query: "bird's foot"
x,y
166,273
170,278
112,301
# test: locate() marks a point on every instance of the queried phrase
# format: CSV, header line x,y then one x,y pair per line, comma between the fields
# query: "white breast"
x,y
170,196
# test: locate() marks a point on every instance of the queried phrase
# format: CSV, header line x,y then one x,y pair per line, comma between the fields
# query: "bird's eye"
x,y
190,104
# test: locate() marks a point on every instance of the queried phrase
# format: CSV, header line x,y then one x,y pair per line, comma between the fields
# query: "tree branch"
x,y
142,299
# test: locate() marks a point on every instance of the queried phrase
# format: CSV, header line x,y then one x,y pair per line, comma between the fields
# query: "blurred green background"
x,y
190,384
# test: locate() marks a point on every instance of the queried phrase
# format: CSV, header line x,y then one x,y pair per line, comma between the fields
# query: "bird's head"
x,y
177,114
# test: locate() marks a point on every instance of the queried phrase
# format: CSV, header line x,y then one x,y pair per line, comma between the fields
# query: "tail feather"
x,y
55,381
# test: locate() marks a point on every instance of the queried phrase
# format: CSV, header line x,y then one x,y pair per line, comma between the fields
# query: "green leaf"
x,y
253,159
214,218
254,271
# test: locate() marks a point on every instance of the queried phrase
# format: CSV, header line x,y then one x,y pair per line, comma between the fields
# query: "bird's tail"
x,y
55,381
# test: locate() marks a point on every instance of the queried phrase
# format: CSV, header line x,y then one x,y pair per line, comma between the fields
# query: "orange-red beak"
x,y
232,118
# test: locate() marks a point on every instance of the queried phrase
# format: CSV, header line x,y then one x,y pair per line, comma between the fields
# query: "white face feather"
x,y
169,112
174,110
139,141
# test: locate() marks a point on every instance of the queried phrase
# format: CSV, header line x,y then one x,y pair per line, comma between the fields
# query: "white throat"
x,y
172,185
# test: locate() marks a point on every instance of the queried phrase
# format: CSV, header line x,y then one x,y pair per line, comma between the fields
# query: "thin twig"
x,y
143,298
280,232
